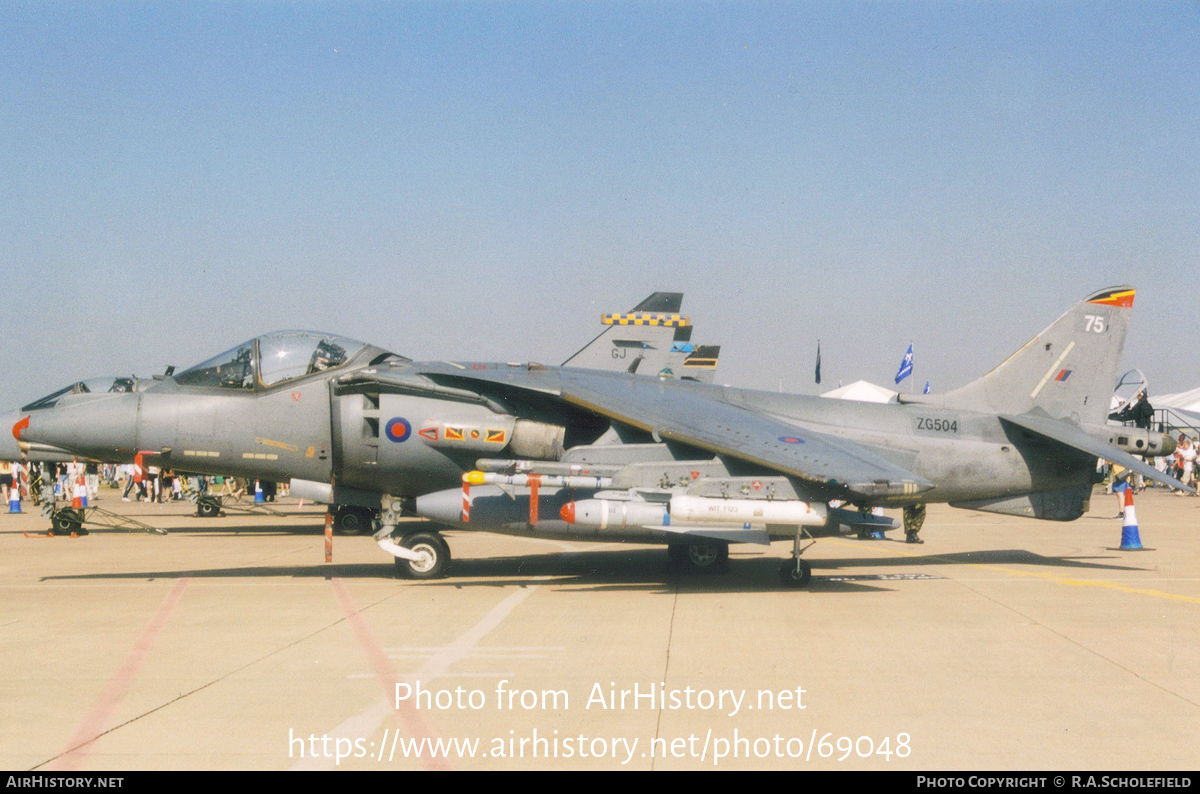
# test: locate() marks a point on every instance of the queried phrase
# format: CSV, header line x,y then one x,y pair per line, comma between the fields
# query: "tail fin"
x,y
700,363
639,340
1067,371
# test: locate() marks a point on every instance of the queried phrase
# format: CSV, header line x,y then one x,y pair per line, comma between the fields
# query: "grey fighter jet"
x,y
580,453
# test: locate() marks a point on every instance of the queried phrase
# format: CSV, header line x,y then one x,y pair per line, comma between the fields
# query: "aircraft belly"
x,y
966,470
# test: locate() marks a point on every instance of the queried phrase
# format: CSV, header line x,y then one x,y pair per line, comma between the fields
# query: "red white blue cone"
x,y
80,500
1130,539
877,534
14,499
258,494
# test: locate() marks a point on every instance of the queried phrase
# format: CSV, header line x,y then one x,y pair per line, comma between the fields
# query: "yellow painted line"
x,y
280,444
1047,576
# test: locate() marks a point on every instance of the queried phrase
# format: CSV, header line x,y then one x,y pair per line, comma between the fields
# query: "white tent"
x,y
862,391
1186,400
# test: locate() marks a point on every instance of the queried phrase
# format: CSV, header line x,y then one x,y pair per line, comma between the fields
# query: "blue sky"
x,y
482,180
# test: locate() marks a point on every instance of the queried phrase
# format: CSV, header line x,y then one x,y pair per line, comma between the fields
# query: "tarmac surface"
x,y
1001,643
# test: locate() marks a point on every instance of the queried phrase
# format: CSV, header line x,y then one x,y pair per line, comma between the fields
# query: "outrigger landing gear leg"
x,y
796,572
914,517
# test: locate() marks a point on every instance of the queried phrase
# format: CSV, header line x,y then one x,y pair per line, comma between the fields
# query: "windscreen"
x,y
89,386
233,369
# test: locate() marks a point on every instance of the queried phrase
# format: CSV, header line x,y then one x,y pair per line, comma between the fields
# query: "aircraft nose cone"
x,y
12,424
102,426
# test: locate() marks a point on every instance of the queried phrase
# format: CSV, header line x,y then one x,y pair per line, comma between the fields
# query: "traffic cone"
x,y
258,494
1130,539
14,499
80,500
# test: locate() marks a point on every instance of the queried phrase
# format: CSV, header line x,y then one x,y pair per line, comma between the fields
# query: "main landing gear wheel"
x,y
702,556
352,521
434,556
795,572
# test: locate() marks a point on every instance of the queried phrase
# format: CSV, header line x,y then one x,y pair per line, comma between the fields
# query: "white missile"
x,y
615,513
621,514
708,510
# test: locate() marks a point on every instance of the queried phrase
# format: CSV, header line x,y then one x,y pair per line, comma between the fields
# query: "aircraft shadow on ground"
x,y
642,569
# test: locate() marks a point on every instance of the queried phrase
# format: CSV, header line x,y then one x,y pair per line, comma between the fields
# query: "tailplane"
x,y
1067,371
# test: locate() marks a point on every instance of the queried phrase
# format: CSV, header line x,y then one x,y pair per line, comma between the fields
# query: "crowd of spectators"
x,y
35,481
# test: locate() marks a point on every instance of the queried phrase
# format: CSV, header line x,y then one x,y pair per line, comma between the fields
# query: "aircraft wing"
x,y
697,415
675,411
1072,436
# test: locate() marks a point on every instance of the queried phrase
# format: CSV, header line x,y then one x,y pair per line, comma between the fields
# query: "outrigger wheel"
x,y
795,572
434,556
914,517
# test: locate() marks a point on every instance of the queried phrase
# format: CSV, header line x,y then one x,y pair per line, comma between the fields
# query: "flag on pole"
x,y
906,365
818,373
926,388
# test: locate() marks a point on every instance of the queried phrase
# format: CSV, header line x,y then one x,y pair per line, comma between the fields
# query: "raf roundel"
x,y
398,429
791,440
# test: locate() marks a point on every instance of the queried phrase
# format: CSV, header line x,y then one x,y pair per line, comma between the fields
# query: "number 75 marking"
x,y
1093,324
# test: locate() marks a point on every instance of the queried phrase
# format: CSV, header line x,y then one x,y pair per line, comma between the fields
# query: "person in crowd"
x,y
1142,412
6,479
1187,456
92,480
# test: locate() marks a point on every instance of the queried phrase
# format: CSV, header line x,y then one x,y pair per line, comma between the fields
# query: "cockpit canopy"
x,y
89,386
271,359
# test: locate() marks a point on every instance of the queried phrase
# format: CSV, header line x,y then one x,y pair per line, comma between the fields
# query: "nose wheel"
x,y
703,556
429,556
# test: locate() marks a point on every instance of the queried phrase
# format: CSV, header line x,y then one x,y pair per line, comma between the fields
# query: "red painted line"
x,y
413,723
82,741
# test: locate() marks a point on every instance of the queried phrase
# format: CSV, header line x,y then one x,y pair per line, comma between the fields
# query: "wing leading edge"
x,y
676,412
